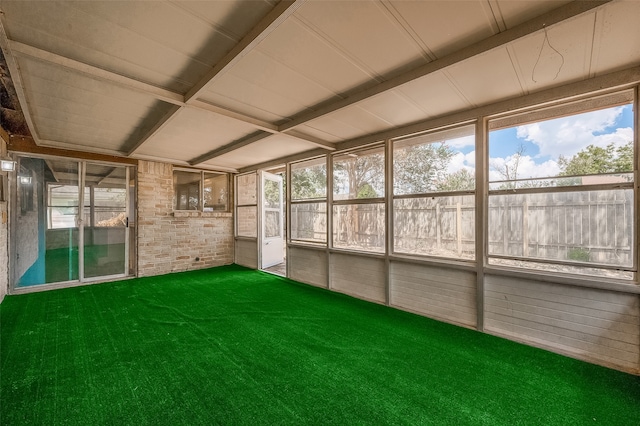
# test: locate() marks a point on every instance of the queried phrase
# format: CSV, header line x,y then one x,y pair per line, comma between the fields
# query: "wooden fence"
x,y
588,226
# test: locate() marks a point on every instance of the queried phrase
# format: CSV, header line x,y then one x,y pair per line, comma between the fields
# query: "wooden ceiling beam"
x,y
268,24
247,140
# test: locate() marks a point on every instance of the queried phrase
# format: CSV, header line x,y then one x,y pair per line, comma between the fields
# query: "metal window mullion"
x,y
287,208
389,223
329,231
636,179
127,230
482,214
82,165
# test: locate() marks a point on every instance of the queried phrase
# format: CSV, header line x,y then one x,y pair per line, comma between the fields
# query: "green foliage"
x,y
366,191
579,254
596,160
420,168
309,182
356,172
459,181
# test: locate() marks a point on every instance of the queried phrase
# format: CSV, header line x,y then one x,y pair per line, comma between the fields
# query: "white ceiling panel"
x,y
154,42
435,94
562,56
486,78
516,12
617,37
301,49
366,32
348,123
295,90
275,146
393,107
316,133
445,26
233,18
250,99
73,108
191,133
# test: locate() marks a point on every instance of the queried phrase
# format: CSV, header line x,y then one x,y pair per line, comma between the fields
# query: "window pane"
x,y
271,194
435,226
63,206
359,174
186,190
309,179
247,222
594,142
272,224
309,222
583,227
216,192
247,189
359,227
435,162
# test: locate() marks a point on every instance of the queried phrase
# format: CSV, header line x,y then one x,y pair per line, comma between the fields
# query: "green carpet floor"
x,y
232,346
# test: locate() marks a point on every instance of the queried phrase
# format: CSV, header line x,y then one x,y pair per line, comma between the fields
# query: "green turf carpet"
x,y
232,346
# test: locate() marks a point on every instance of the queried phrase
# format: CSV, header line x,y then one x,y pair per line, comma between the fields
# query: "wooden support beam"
x,y
230,147
27,145
270,22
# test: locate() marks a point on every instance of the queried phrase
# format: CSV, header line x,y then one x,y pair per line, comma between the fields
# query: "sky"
x,y
545,141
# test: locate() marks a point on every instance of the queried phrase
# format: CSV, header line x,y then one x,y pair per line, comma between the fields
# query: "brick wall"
x,y
171,241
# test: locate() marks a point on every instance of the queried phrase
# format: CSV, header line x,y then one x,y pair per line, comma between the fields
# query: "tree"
x,y
509,169
309,182
458,181
419,168
596,160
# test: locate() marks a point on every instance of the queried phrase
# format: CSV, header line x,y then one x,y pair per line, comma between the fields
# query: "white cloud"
x,y
462,142
567,136
462,161
527,168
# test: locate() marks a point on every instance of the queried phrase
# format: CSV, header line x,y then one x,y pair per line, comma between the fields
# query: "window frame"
x,y
382,145
201,204
437,136
564,109
307,201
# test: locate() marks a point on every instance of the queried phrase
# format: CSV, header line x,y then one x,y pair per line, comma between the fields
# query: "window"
x,y
199,190
247,207
433,194
309,201
358,200
561,194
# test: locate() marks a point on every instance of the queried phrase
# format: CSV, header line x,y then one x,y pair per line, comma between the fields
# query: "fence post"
x,y
525,228
459,227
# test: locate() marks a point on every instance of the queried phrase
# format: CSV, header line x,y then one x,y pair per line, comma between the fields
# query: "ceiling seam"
x,y
391,10
598,23
334,45
515,64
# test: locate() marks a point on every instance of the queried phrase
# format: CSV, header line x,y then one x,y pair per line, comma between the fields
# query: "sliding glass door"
x,y
105,220
71,221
